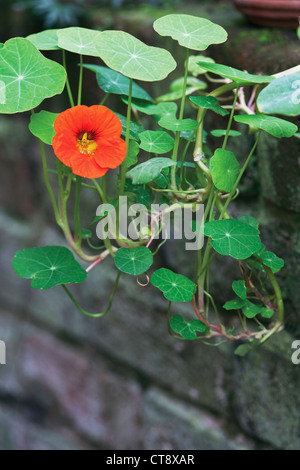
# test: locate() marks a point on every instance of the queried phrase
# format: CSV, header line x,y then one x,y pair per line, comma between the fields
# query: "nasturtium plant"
x,y
159,148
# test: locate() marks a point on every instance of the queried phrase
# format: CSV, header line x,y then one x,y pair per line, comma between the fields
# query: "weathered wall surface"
x,y
121,382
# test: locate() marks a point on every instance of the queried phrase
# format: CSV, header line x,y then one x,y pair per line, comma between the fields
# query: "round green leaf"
x,y
273,125
175,287
114,82
234,74
45,40
173,124
272,261
224,169
209,102
133,261
282,96
193,66
26,76
149,170
239,288
78,40
48,266
190,31
42,126
233,238
156,141
248,219
123,52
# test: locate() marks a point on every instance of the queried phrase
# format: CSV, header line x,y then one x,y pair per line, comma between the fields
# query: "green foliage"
x,y
130,56
272,125
190,31
209,102
282,96
175,287
42,126
156,141
236,75
224,169
114,82
48,266
134,261
188,330
149,170
232,237
27,77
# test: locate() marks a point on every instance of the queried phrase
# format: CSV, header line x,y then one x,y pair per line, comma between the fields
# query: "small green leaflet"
x,y
114,82
124,53
134,130
234,304
45,40
190,31
178,124
27,77
149,170
235,74
222,133
187,330
156,141
209,102
175,287
133,261
78,40
266,312
250,310
132,152
156,110
239,288
273,125
224,169
272,261
42,126
48,266
193,66
232,237
282,96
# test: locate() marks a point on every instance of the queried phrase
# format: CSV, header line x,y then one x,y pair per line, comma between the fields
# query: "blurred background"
x,y
121,382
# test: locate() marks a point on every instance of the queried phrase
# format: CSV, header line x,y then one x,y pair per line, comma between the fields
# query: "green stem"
x,y
67,79
230,119
232,192
181,112
77,225
80,81
122,176
104,99
102,194
48,185
94,315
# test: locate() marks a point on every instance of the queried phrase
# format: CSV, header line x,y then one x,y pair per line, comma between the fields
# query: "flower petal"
x,y
110,153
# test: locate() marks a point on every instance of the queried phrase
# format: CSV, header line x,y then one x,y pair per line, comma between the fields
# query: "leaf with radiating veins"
x,y
48,266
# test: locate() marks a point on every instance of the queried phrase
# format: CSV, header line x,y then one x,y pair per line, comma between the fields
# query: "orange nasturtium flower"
x,y
87,139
